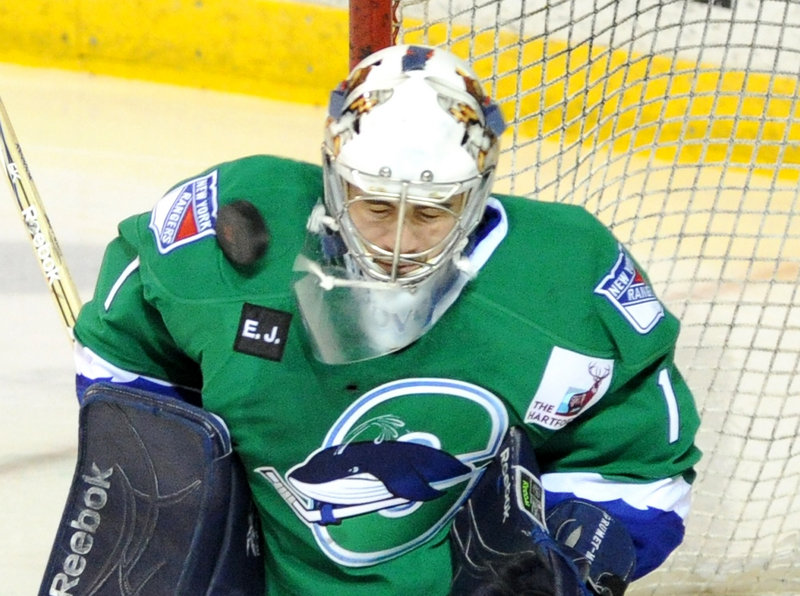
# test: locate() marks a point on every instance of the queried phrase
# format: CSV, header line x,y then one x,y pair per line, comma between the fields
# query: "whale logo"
x,y
368,471
390,475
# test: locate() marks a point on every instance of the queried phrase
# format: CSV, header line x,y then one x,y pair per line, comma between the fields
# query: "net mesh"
x,y
677,123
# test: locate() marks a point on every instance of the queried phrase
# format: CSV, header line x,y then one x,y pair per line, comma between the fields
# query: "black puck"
x,y
241,233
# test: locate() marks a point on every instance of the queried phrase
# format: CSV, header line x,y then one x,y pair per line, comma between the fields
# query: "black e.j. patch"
x,y
262,332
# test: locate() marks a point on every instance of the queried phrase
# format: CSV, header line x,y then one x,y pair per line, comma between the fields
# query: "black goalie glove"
x,y
603,543
499,540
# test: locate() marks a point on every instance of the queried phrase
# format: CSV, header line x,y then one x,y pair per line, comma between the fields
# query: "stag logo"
x,y
577,401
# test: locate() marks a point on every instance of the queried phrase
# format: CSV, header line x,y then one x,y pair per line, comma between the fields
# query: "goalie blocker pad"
x,y
159,504
499,541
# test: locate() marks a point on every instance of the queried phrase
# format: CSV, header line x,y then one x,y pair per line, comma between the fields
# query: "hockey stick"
x,y
42,236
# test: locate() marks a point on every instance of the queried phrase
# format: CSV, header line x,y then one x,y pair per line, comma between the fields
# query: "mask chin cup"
x,y
348,319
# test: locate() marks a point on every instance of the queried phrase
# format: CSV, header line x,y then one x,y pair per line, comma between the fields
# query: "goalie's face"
x,y
402,237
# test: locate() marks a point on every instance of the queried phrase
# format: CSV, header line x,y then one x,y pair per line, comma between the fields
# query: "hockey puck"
x,y
241,233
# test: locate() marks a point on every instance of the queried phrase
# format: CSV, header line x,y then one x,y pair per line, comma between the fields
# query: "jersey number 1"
x,y
665,383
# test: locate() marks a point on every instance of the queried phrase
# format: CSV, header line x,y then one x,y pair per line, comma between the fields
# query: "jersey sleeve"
x,y
657,404
630,415
643,427
633,454
122,327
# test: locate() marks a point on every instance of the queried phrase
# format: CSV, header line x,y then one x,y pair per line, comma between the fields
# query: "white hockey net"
x,y
678,124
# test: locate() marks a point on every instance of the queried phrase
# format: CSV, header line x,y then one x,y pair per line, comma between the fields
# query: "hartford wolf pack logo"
x,y
186,213
628,291
389,475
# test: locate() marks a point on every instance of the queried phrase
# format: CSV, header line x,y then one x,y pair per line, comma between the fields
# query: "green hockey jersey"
x,y
357,469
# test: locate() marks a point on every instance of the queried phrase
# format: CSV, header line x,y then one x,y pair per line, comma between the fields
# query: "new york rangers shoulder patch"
x,y
628,291
186,213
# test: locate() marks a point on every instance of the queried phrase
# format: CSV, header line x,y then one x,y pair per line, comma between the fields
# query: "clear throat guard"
x,y
350,318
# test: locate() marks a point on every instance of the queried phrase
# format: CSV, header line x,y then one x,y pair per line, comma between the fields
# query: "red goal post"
x,y
373,26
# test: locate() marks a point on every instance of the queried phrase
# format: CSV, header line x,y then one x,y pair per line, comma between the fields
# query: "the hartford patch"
x,y
572,383
186,213
630,294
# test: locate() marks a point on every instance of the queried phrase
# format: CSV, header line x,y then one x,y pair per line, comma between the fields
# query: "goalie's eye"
x,y
379,209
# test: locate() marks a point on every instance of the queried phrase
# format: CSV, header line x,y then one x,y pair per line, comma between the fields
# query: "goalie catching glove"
x,y
501,545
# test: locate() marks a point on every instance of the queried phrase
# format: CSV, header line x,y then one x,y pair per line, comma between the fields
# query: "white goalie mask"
x,y
410,126
410,150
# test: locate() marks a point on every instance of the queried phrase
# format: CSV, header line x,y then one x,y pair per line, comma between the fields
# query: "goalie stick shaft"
x,y
42,237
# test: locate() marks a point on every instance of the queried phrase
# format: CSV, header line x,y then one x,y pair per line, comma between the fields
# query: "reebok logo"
x,y
85,525
506,484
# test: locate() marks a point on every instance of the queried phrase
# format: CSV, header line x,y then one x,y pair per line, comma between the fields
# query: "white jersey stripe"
x,y
670,494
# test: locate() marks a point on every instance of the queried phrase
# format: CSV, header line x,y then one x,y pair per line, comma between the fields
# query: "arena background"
x,y
281,50
112,103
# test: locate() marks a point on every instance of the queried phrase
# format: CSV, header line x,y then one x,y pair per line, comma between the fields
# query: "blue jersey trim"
x,y
191,396
655,533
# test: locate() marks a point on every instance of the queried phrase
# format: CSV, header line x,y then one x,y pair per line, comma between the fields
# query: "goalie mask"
x,y
410,150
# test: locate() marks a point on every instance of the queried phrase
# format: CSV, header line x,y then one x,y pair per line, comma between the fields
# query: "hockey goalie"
x,y
374,376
